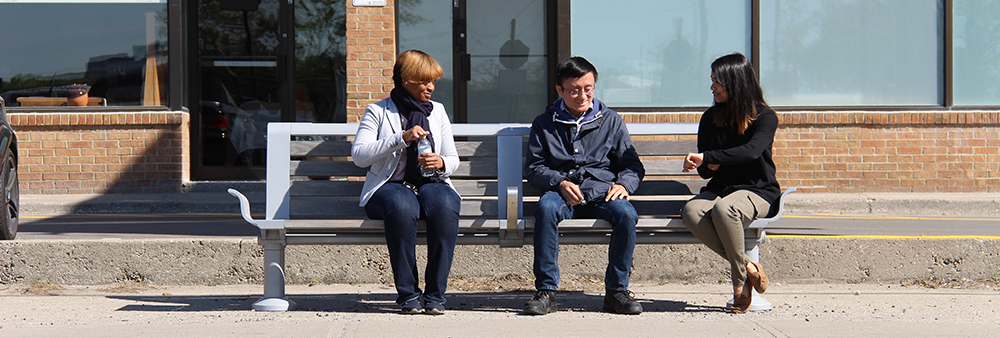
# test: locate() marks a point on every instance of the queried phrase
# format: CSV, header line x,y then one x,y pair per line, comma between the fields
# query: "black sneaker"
x,y
434,308
411,307
622,302
544,301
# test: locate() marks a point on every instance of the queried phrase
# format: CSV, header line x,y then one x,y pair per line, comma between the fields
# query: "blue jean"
x,y
552,209
438,205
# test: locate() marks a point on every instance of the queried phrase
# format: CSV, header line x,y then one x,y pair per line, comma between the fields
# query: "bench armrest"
x,y
762,222
512,228
245,212
512,207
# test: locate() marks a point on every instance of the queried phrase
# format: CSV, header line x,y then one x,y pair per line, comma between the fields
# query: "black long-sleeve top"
x,y
745,160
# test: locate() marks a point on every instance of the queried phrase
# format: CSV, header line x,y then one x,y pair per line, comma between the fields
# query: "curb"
x,y
222,261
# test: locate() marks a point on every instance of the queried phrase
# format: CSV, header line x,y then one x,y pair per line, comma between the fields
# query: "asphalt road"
x,y
132,226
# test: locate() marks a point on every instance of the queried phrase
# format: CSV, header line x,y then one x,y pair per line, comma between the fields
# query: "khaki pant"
x,y
718,223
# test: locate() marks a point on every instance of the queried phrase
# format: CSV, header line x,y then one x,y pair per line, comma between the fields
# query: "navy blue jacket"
x,y
596,158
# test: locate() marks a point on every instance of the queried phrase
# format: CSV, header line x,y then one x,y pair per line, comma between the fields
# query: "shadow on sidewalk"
x,y
385,303
135,226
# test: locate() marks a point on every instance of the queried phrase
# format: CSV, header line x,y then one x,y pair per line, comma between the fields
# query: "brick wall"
x,y
94,153
855,152
371,52
850,152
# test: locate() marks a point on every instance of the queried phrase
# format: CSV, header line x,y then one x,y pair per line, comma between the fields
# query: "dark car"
x,y
8,177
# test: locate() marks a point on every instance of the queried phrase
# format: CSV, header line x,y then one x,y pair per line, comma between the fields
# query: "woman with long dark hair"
x,y
406,183
734,152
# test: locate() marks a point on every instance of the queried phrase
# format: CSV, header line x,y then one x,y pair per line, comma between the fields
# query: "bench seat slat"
x,y
473,224
465,188
368,238
313,207
464,224
656,208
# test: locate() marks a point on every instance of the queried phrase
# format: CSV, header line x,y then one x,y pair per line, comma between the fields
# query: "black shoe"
x,y
412,307
622,302
544,301
434,308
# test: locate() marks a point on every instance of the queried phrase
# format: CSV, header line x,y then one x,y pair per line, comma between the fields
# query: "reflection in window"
x,y
506,43
977,53
116,52
426,26
320,61
849,53
656,53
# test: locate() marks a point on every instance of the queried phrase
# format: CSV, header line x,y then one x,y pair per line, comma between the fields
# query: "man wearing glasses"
x,y
581,155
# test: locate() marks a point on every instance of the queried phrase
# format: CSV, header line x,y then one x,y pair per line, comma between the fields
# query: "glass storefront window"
x,y
320,61
503,53
656,53
427,26
114,52
508,80
977,52
851,53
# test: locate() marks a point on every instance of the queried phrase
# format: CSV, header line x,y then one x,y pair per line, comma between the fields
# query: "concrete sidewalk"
x,y
367,310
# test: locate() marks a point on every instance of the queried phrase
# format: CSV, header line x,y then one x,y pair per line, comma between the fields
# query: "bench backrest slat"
x,y
325,183
343,148
466,169
465,188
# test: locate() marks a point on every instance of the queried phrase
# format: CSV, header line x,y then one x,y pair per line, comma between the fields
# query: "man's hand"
x,y
615,192
570,192
415,133
712,167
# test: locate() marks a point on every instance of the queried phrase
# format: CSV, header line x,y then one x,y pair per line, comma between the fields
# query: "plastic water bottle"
x,y
424,146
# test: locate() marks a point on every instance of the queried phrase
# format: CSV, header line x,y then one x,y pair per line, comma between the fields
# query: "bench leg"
x,y
757,302
274,280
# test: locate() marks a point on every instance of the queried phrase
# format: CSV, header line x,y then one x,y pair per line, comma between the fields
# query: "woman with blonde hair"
x,y
734,152
405,184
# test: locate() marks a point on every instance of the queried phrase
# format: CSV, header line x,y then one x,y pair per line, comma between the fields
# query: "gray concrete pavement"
x,y
837,262
367,310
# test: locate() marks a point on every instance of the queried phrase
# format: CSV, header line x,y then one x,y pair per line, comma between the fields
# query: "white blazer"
x,y
379,144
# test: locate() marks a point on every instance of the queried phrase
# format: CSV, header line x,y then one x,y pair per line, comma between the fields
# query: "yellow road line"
x,y
836,216
133,215
884,236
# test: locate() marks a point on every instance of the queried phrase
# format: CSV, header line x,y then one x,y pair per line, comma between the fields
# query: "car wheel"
x,y
11,197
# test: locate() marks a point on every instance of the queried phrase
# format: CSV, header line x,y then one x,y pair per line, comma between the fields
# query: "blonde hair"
x,y
415,66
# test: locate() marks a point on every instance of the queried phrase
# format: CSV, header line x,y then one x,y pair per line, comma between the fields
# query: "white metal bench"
x,y
313,188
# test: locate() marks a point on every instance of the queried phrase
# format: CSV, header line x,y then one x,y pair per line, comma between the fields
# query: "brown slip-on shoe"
x,y
757,279
741,304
